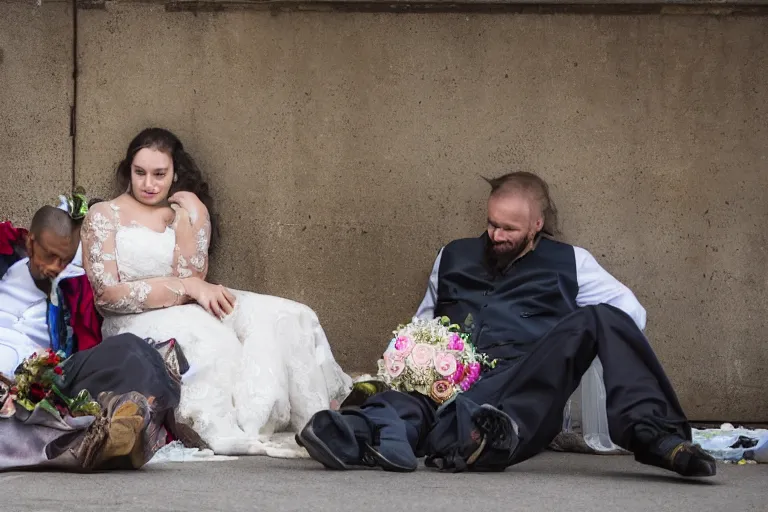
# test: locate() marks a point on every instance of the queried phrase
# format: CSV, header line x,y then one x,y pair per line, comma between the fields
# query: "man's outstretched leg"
x,y
388,430
644,413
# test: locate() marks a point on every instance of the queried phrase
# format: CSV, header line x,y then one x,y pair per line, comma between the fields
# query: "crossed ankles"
x,y
351,440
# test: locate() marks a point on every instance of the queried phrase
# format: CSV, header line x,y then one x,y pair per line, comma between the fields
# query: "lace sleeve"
x,y
111,295
193,235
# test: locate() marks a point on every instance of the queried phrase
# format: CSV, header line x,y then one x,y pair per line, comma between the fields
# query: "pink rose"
x,y
422,354
395,354
404,344
445,364
455,342
394,364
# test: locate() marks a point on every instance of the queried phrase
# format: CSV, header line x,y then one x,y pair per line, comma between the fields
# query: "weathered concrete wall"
x,y
344,149
35,98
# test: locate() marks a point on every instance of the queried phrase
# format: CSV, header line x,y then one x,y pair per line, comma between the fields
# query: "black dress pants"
x,y
642,406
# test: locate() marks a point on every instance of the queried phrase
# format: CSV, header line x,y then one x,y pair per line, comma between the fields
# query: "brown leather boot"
x,y
128,417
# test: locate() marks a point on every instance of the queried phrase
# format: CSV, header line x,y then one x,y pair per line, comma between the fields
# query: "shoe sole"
x,y
500,431
388,465
318,450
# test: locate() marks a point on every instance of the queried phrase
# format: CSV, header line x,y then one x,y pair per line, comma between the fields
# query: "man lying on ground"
x,y
46,307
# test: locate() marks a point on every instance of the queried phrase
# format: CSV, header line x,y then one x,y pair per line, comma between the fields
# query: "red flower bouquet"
x,y
37,382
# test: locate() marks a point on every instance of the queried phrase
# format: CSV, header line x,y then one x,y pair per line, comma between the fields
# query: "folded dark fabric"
x,y
121,364
123,370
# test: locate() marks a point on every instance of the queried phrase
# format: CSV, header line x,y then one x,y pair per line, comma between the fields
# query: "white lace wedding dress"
x,y
264,369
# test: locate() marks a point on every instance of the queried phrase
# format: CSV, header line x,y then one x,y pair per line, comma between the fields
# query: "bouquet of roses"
x,y
37,381
432,357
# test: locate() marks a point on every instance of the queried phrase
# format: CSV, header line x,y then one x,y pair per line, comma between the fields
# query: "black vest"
x,y
513,309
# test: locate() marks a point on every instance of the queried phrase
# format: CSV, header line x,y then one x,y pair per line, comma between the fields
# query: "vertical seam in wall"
x,y
73,107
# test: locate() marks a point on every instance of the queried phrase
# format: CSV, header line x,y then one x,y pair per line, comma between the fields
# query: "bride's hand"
x,y
216,299
182,217
189,202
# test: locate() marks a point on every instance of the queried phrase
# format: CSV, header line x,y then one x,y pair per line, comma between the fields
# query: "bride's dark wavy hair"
x,y
190,179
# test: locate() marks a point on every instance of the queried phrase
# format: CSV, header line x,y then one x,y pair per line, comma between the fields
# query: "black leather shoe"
x,y
486,445
389,447
683,457
351,440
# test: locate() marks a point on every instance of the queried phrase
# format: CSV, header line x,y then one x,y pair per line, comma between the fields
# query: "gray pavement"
x,y
550,482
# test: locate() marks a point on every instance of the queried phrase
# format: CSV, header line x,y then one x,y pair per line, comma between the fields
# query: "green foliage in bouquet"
x,y
37,382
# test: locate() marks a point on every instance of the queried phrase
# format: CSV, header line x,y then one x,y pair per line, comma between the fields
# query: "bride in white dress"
x,y
260,365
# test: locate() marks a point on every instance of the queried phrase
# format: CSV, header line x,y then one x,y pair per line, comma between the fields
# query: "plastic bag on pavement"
x,y
733,444
594,418
177,452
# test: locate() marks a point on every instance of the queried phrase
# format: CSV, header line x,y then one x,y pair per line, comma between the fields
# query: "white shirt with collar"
x,y
23,314
596,286
24,309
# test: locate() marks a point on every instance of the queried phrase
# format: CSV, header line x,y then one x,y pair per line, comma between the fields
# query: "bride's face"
x,y
151,176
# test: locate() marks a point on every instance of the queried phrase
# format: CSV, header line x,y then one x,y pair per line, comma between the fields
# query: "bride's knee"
x,y
249,304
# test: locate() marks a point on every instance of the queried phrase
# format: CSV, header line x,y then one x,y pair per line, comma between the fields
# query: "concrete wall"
x,y
35,99
345,149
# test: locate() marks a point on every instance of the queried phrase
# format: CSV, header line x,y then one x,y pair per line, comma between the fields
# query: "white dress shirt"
x,y
596,286
23,314
24,310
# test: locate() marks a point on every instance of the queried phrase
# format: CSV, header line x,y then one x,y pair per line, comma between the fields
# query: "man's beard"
x,y
498,256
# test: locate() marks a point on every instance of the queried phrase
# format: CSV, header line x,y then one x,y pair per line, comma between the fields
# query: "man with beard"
x,y
543,309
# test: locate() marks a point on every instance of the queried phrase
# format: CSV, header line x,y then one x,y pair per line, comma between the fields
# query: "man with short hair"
x,y
46,301
544,310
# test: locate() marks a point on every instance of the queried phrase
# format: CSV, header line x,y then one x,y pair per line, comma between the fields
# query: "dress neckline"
x,y
135,224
